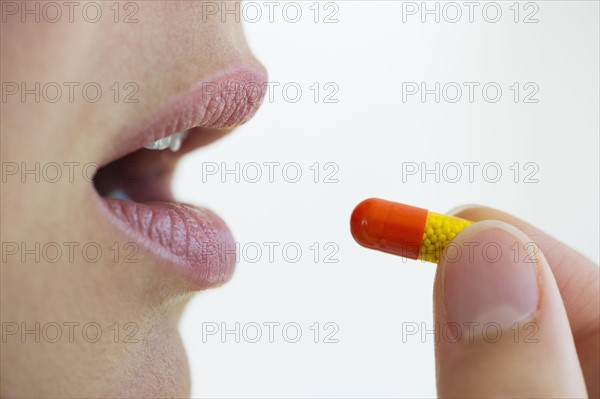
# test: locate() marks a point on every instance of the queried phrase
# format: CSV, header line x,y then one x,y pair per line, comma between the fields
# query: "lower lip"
x,y
192,241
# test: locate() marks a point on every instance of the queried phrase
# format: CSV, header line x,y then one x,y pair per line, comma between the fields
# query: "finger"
x,y
578,281
501,326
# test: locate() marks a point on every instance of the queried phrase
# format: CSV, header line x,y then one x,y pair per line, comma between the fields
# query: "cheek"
x,y
39,50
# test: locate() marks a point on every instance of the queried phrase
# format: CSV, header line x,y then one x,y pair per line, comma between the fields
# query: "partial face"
x,y
97,259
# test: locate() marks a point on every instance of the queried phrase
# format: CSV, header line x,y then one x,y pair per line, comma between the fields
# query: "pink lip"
x,y
225,100
193,241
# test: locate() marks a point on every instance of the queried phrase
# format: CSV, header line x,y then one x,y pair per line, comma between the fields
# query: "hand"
x,y
522,321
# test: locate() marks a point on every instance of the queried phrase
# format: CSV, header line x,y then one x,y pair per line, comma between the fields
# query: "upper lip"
x,y
224,100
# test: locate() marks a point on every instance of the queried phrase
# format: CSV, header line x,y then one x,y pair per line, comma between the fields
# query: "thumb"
x,y
501,326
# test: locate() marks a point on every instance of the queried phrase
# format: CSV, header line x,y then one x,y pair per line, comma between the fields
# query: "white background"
x,y
369,133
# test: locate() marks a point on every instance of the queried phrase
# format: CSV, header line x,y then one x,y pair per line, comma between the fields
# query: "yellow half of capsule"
x,y
439,231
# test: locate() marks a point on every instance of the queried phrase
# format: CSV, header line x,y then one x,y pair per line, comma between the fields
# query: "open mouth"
x,y
134,183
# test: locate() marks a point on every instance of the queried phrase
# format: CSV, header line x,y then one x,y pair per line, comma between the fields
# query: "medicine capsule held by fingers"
x,y
403,230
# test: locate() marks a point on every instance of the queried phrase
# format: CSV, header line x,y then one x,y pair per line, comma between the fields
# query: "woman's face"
x,y
98,262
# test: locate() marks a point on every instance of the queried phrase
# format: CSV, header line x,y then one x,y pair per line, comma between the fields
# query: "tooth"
x,y
159,144
177,140
118,193
173,142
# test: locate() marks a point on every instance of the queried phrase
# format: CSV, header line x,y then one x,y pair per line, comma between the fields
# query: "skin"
x,y
166,52
565,359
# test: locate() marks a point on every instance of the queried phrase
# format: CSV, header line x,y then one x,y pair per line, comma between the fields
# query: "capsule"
x,y
403,230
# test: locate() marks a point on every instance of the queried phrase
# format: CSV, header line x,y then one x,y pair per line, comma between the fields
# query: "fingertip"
x,y
489,286
458,209
511,292
477,213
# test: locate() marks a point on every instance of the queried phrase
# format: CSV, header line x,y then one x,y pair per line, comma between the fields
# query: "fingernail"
x,y
490,276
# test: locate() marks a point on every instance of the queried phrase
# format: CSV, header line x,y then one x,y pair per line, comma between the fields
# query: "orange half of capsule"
x,y
403,230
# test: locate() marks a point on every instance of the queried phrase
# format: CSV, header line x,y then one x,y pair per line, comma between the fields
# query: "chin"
x,y
158,368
